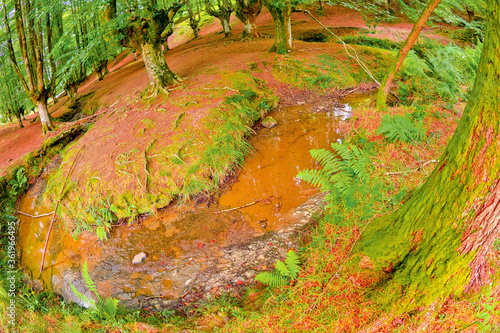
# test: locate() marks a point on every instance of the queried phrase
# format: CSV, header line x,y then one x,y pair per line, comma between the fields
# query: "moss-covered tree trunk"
x,y
223,13
437,243
403,52
160,75
194,17
72,91
247,12
282,16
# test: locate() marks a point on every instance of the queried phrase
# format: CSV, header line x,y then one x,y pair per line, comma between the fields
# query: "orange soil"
x,y
191,60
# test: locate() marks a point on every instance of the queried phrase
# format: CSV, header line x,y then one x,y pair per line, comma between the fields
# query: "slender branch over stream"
x,y
57,206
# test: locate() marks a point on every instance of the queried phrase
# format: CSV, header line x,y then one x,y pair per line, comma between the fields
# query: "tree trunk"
x,y
282,17
72,91
44,115
470,15
247,12
226,26
436,244
18,116
403,52
160,75
223,14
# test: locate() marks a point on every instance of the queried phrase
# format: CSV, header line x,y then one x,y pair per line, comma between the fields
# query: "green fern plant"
x,y
346,174
401,128
102,309
284,272
18,183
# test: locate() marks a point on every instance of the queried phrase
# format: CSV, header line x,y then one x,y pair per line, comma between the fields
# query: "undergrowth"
x,y
438,75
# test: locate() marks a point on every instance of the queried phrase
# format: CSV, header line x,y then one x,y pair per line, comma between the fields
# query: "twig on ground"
x,y
34,216
414,170
57,206
236,208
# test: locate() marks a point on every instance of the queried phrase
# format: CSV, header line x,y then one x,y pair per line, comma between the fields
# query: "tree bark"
x,y
44,115
72,91
403,52
247,12
223,13
194,18
160,75
282,16
19,120
437,243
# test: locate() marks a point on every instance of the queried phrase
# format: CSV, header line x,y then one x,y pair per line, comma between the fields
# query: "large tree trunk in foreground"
x,y
160,75
403,52
247,12
437,243
282,16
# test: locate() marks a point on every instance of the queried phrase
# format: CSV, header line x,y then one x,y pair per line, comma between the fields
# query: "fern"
x,y
103,309
284,272
400,128
346,177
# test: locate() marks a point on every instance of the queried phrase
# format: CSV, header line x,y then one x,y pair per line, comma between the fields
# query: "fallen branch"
x,y
34,216
57,206
236,208
414,170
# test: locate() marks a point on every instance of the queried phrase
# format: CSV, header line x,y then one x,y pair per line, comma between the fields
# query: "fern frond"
x,y
292,262
86,301
88,281
273,279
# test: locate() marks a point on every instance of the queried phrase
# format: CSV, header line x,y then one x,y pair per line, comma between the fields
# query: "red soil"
x,y
191,60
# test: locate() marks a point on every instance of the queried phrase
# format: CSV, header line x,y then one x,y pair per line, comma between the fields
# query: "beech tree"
x,y
222,12
13,98
281,11
247,12
143,25
194,16
436,244
34,35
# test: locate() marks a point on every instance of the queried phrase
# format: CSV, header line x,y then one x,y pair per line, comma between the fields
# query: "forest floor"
x,y
162,136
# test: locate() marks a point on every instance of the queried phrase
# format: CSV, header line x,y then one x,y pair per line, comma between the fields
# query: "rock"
x,y
269,122
139,258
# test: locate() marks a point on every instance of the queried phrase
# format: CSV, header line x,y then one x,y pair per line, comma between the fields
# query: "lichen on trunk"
x,y
436,244
160,75
282,16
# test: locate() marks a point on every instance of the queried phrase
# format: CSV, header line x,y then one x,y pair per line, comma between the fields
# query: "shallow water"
x,y
182,244
270,173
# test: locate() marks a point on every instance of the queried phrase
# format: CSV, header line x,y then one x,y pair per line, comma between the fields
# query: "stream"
x,y
194,253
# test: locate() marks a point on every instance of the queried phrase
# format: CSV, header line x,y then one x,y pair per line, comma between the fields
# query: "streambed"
x,y
193,253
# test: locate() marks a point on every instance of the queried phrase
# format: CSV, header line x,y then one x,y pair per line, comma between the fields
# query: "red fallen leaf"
x,y
239,282
162,262
213,240
270,244
200,245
